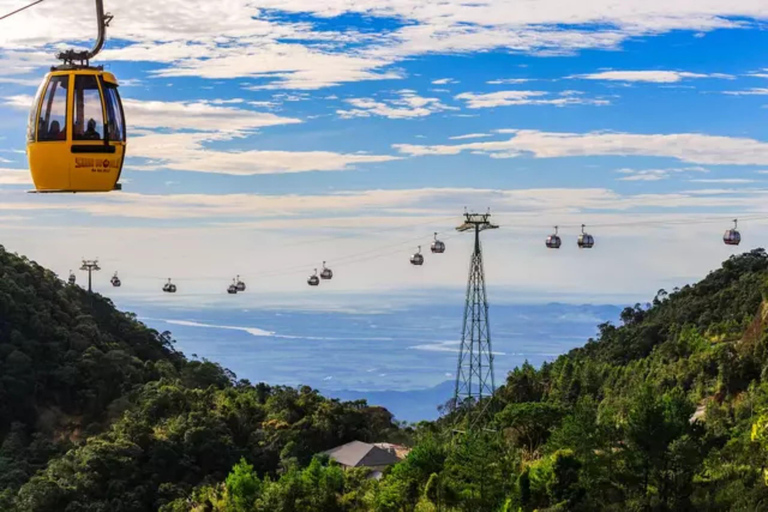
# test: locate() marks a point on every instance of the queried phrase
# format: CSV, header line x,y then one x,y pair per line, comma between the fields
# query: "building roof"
x,y
400,450
359,454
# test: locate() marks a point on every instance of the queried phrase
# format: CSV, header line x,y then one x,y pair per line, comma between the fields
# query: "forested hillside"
x,y
666,412
98,412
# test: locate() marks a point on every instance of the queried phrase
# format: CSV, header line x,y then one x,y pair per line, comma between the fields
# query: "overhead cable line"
x,y
344,261
655,222
431,221
20,9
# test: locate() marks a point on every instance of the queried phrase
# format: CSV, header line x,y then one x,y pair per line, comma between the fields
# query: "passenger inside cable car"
x,y
55,132
91,133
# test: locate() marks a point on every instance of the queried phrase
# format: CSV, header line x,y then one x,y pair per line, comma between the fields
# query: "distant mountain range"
x,y
412,406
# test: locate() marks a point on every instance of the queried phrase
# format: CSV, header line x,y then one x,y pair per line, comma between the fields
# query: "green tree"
x,y
243,487
530,424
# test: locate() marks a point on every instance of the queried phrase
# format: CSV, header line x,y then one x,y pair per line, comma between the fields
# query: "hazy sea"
x,y
402,359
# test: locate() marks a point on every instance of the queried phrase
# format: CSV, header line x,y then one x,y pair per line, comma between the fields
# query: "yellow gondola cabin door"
x,y
98,142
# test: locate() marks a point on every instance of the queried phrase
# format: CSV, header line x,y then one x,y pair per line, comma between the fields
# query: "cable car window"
x,y
32,123
89,116
52,124
114,112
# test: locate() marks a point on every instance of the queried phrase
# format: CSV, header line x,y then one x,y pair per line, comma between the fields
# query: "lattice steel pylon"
x,y
474,373
89,266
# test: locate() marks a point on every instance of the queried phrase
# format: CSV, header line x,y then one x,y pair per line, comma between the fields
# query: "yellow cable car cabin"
x,y
76,132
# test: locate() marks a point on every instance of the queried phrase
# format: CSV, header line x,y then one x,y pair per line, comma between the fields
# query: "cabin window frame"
x,y
45,105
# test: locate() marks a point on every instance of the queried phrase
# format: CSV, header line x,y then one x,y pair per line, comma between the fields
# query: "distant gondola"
x,y
115,281
313,279
326,273
417,258
732,236
437,247
585,241
169,287
553,240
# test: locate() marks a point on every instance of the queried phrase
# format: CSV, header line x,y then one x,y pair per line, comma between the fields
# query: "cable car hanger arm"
x,y
102,20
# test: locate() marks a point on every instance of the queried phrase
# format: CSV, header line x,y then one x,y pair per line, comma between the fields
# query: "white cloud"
x,y
264,104
470,136
131,82
653,76
18,101
191,152
509,98
25,82
444,81
289,97
655,174
207,116
20,62
758,91
284,66
723,180
647,175
508,81
687,147
14,176
231,101
407,105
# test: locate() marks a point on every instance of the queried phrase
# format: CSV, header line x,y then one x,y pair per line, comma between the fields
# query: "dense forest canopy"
x,y
666,412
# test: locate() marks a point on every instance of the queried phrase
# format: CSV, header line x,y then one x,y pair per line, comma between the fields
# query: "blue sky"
x,y
266,137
